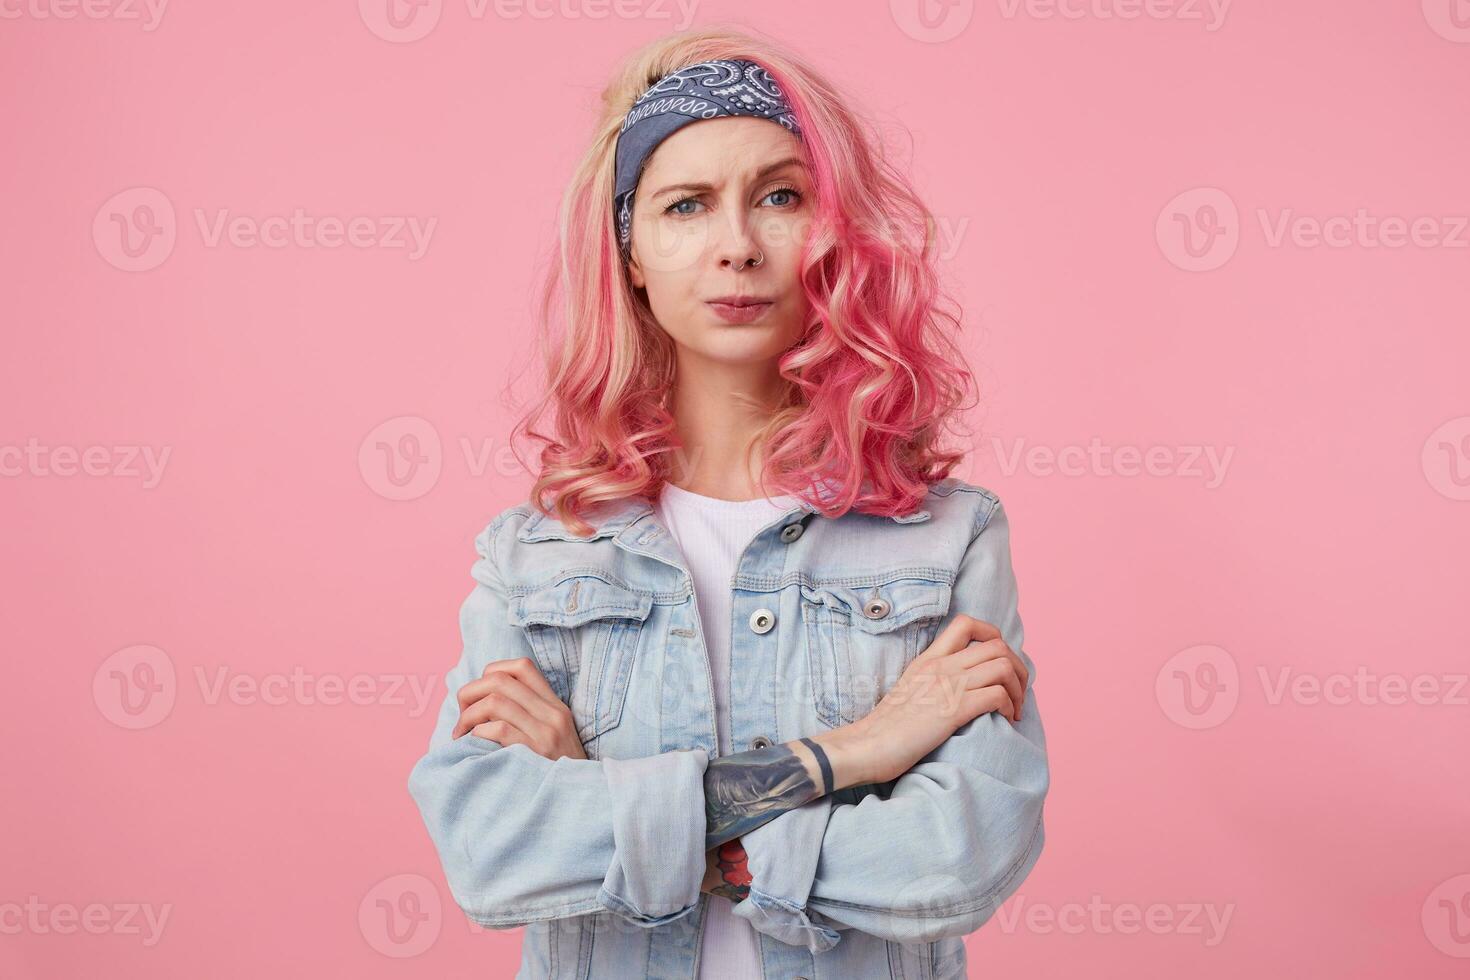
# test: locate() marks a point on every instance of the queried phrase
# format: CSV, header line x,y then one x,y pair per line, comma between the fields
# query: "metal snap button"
x,y
760,742
791,532
762,620
875,608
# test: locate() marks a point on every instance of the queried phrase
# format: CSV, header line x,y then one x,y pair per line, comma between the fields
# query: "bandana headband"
x,y
708,90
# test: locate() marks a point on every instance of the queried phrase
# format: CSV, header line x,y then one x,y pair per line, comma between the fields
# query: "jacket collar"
x,y
611,517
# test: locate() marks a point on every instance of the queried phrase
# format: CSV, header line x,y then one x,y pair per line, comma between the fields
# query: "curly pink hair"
x,y
870,388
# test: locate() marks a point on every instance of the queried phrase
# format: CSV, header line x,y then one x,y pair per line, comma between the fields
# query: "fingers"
x,y
961,631
978,652
522,669
994,650
503,732
996,673
987,699
965,633
537,707
503,696
497,706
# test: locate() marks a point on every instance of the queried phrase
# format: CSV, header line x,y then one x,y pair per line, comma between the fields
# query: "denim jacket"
x,y
602,859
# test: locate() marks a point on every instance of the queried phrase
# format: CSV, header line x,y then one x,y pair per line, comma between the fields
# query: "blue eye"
x,y
786,190
675,207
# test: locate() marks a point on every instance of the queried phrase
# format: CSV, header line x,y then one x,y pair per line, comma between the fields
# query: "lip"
x,y
739,309
739,299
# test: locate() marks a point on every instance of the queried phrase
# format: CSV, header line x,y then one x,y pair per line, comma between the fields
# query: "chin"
x,y
744,345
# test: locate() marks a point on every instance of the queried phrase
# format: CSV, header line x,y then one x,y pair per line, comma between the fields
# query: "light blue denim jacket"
x,y
601,859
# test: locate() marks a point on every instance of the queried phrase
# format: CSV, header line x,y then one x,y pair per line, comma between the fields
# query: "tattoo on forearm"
x,y
734,875
747,789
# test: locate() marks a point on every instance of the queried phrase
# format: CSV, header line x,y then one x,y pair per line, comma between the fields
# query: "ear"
x,y
635,272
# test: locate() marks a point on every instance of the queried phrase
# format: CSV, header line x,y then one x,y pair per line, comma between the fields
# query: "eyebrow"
x,y
768,169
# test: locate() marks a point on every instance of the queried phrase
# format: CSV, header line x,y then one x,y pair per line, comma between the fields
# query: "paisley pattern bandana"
x,y
707,90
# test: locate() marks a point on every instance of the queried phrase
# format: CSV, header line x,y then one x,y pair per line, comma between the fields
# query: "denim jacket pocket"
x,y
584,632
859,640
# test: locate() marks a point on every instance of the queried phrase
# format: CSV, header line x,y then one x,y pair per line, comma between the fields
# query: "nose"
x,y
738,247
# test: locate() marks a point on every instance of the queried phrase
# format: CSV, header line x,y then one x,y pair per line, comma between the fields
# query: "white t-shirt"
x,y
717,532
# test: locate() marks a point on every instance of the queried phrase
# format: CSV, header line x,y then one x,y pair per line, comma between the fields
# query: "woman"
x,y
703,730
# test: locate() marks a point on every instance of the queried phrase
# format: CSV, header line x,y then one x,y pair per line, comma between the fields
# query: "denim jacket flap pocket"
x,y
585,633
578,599
859,639
887,607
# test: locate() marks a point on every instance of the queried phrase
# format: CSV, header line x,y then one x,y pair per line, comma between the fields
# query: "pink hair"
x,y
872,385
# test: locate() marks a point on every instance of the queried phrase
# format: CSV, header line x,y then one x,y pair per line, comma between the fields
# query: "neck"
x,y
718,414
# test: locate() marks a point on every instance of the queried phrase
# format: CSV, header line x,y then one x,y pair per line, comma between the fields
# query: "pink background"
x,y
1064,155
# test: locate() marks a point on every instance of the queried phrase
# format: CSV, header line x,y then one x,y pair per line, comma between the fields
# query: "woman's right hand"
x,y
511,703
967,671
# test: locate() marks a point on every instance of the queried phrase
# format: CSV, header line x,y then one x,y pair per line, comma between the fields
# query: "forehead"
x,y
712,149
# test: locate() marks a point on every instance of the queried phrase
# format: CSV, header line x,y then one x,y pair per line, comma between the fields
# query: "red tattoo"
x,y
734,875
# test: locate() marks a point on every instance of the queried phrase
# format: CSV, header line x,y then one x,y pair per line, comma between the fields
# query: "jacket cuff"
x,y
782,859
657,809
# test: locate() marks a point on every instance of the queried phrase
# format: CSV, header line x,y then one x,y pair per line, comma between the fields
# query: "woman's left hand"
x,y
511,703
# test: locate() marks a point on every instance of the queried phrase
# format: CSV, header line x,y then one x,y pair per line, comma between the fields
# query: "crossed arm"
x,y
742,791
512,703
956,836
484,798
